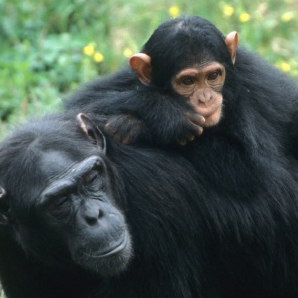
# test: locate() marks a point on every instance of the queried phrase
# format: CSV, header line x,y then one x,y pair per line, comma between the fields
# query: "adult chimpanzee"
x,y
246,156
82,218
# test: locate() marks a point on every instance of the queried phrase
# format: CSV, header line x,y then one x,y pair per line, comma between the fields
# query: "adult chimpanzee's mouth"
x,y
119,247
111,250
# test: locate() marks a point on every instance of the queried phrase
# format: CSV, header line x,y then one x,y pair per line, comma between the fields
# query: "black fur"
x,y
248,162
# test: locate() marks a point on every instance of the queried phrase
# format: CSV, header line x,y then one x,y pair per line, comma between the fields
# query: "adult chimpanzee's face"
x,y
70,216
78,206
202,85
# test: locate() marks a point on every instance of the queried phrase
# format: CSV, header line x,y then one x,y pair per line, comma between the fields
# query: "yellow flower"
x,y
287,16
284,66
228,10
88,50
127,52
174,11
244,17
98,57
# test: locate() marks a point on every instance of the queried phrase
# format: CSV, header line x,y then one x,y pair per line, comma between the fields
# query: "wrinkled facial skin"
x,y
77,212
202,85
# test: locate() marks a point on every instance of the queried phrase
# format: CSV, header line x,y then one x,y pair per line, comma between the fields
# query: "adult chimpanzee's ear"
x,y
141,64
92,131
232,44
4,207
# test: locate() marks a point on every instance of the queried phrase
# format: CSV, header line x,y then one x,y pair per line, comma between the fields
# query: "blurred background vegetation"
x,y
50,47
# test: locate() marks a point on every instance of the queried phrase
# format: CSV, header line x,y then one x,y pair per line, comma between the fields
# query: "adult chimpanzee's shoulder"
x,y
256,71
265,94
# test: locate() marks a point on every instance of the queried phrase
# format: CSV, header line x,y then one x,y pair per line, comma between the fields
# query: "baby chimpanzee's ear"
x,y
141,64
232,44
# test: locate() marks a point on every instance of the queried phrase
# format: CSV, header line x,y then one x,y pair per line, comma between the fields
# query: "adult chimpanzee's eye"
x,y
187,81
213,76
91,177
59,202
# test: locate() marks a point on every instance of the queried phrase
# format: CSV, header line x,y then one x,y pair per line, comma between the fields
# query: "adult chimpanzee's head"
x,y
190,56
57,200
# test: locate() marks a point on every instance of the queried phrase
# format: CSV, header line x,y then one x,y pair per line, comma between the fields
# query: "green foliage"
x,y
50,47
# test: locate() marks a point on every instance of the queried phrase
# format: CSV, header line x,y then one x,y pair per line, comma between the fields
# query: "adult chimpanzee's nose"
x,y
93,211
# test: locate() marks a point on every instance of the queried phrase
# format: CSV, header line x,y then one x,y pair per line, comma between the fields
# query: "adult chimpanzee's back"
x,y
246,155
83,216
